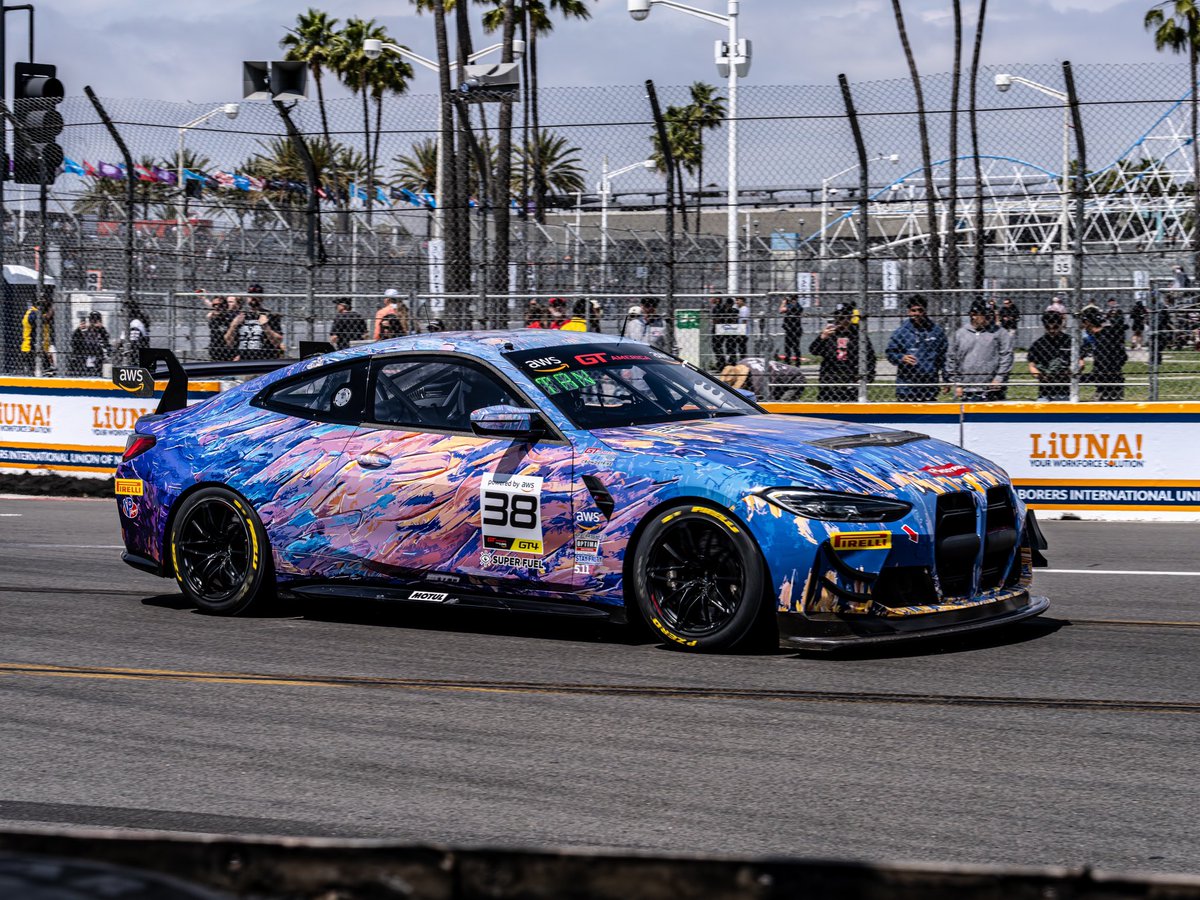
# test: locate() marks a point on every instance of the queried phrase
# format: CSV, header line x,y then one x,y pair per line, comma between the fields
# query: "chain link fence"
x,y
222,207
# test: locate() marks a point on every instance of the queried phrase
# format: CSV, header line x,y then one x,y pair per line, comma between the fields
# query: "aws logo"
x,y
546,364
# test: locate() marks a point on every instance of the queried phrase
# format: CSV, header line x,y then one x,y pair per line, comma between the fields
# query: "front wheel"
x,y
698,578
220,553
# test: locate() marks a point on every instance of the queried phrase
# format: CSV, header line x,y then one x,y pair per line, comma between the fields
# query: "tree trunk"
x,y
699,179
935,242
462,160
523,275
979,273
501,184
1192,58
366,109
316,72
952,236
539,173
455,266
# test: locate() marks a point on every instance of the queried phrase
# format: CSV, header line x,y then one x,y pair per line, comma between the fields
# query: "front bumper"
x,y
828,631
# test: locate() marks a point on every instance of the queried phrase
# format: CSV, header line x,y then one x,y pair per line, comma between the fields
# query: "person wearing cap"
x,y
1049,359
635,324
980,357
918,351
391,306
535,314
837,345
558,313
655,333
348,326
1108,356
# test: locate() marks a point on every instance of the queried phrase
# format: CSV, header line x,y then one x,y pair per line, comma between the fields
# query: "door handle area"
x,y
373,460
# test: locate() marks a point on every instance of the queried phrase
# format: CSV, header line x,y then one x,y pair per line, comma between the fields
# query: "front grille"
x,y
956,542
1000,537
901,586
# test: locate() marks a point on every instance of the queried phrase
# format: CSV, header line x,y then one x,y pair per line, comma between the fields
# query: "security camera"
x,y
639,9
648,163
518,49
832,192
1003,81
230,110
372,48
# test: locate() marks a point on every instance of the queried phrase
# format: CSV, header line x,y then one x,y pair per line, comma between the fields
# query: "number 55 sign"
x,y
511,506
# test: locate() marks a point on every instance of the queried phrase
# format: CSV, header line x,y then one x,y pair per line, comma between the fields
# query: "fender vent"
x,y
600,495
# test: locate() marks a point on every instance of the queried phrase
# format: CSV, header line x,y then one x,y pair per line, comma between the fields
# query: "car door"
x,y
423,497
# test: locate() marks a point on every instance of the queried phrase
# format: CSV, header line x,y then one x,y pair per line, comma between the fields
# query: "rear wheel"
x,y
220,553
698,578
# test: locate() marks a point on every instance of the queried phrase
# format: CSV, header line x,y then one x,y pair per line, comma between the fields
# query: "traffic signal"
x,y
36,93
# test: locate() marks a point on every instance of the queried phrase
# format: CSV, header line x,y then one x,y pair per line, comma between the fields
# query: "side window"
x,y
330,395
435,393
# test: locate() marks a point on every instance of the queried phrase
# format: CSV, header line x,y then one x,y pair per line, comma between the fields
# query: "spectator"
x,y
739,344
767,379
793,328
535,314
1010,316
391,306
980,358
49,357
1137,322
89,347
724,314
137,338
1108,357
273,327
391,327
558,313
838,347
656,326
220,314
578,319
1115,316
635,325
250,335
594,312
1056,305
347,325
31,338
918,351
1179,278
1050,359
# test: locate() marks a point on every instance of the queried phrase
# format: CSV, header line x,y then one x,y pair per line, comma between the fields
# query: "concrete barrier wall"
x,y
1095,457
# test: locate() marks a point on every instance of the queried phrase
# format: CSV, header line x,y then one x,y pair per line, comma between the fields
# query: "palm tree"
x,y
684,139
706,111
277,161
977,277
417,172
313,41
952,236
1179,32
558,165
370,79
536,21
935,243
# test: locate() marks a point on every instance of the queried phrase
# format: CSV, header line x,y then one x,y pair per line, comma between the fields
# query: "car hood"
x,y
776,450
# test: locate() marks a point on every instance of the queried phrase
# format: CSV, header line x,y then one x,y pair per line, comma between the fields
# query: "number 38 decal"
x,y
511,510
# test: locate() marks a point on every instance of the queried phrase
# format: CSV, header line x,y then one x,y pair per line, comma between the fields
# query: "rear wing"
x,y
140,379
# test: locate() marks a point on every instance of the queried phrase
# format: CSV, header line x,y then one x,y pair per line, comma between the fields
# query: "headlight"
x,y
831,507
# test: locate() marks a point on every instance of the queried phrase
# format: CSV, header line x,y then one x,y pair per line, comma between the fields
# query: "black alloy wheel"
x,y
698,578
220,553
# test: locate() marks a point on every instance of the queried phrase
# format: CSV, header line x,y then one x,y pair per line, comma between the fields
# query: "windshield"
x,y
610,386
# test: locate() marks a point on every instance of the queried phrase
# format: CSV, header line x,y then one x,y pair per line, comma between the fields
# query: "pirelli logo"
x,y
861,540
129,487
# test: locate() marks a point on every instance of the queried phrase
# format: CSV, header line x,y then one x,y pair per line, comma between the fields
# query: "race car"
x,y
570,473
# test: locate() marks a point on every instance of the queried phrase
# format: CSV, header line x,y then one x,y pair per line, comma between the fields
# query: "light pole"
x,y
1004,81
825,191
231,112
372,48
604,188
733,61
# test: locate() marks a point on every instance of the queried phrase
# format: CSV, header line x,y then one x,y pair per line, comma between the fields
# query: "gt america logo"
x,y
950,470
591,359
861,540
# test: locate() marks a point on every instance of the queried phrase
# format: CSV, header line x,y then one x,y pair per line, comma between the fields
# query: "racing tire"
x,y
698,578
220,553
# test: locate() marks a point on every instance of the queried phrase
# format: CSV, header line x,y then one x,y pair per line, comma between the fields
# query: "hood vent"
x,y
870,439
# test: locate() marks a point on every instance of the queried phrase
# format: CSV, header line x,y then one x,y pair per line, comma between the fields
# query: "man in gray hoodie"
x,y
980,358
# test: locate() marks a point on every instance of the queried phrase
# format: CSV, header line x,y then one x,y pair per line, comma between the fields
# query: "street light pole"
x,y
372,48
231,112
823,245
1004,81
604,189
733,61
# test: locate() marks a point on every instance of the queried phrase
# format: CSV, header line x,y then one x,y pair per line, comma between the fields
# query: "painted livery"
x,y
571,473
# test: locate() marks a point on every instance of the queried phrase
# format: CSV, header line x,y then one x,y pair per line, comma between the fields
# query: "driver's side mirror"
x,y
507,421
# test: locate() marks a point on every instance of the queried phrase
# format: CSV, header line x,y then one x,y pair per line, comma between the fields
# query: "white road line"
x,y
1111,572
11,515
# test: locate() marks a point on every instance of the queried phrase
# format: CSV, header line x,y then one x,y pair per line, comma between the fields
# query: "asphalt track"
x,y
1067,740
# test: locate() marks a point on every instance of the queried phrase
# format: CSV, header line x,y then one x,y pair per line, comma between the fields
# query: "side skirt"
x,y
441,595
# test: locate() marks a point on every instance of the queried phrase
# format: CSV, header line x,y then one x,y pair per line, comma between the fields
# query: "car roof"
x,y
487,344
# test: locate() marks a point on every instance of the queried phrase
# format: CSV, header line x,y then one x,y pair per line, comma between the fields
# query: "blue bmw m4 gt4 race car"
x,y
570,473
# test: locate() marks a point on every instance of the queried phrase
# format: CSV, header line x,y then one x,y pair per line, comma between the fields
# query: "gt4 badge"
x,y
949,470
861,540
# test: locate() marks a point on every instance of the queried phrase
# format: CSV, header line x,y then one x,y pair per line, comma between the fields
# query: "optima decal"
x,y
861,540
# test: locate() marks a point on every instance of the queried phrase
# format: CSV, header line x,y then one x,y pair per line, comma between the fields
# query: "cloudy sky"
x,y
173,50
